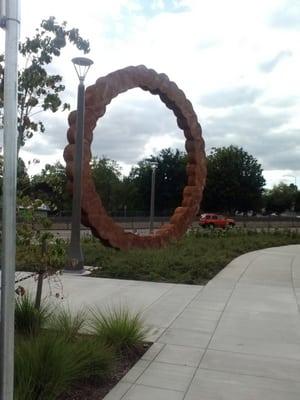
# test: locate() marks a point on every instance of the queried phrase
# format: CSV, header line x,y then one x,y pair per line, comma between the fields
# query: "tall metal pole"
x,y
12,25
152,201
3,13
76,262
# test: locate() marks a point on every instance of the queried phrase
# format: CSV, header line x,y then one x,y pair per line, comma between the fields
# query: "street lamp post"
x,y
75,257
10,21
152,200
295,178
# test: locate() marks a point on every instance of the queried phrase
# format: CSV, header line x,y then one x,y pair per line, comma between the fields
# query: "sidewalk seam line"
x,y
244,374
293,286
218,322
201,288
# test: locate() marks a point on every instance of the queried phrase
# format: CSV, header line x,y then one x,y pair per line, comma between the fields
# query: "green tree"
x,y
170,179
297,201
37,249
107,179
281,197
234,181
23,180
38,89
50,187
128,197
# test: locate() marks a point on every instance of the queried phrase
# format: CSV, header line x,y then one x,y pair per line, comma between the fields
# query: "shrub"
x,y
45,367
28,319
67,324
48,365
97,360
118,328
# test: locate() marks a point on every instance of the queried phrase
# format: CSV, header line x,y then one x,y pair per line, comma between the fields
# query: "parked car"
x,y
216,221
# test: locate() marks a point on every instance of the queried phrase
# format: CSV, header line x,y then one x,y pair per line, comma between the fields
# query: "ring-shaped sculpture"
x,y
98,96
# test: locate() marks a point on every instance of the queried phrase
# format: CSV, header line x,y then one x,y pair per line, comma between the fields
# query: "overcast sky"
x,y
238,61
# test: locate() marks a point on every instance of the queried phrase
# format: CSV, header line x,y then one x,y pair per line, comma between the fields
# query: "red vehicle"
x,y
216,221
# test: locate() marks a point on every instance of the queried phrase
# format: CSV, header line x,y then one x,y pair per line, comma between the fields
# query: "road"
x,y
66,233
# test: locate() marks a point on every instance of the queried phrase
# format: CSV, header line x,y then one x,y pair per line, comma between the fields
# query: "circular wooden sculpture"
x,y
98,96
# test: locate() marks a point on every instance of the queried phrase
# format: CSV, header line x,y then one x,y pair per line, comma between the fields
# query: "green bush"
x,y
28,319
98,360
44,368
67,324
55,360
47,366
119,328
51,361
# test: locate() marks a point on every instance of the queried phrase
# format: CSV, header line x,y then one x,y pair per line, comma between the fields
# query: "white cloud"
x,y
241,54
155,144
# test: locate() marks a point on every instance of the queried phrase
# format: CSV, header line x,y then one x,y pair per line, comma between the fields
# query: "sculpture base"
x,y
85,271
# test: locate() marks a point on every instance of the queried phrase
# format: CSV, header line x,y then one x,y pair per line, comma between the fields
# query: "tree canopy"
x,y
38,89
50,187
170,179
234,181
108,183
23,179
281,197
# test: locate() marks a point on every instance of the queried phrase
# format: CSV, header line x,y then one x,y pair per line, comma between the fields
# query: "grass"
x,y
48,365
118,328
28,319
45,368
68,324
50,362
195,259
58,358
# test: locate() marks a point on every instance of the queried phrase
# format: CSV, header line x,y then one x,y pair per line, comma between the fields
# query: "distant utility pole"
x,y
10,22
152,200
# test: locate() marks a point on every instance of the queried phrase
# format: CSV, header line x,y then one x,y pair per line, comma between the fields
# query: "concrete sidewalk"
x,y
236,339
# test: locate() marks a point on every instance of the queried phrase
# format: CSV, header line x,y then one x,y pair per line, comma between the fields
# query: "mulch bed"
x,y
97,390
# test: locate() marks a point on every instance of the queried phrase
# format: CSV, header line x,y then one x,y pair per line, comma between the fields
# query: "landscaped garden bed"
x,y
195,259
91,389
63,355
66,356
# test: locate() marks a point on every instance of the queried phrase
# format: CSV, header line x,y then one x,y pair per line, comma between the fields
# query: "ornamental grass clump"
x,y
55,355
67,324
47,366
29,320
44,368
98,360
118,328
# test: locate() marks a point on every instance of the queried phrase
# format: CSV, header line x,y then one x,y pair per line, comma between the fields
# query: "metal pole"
x,y
152,201
12,24
2,13
75,262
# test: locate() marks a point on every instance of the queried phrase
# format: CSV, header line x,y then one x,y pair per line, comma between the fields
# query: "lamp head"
x,y
153,165
82,65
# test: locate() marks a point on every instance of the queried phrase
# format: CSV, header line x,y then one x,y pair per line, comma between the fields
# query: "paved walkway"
x,y
237,338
